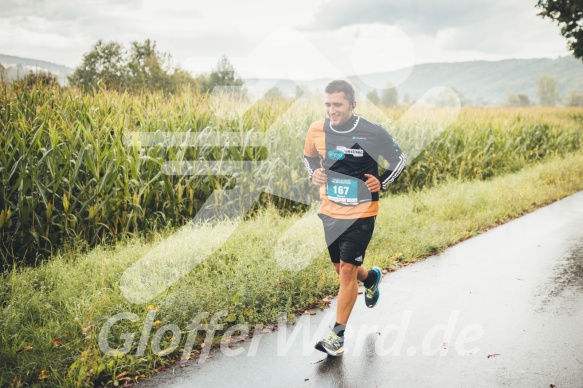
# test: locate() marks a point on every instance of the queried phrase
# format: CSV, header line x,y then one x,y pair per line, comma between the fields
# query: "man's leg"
x,y
334,343
362,273
349,274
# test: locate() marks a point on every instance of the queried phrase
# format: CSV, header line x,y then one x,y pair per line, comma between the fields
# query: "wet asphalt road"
x,y
503,309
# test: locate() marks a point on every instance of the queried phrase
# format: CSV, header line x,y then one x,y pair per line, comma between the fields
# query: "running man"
x,y
341,155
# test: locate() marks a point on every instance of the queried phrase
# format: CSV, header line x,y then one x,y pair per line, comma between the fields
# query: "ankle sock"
x,y
339,329
370,279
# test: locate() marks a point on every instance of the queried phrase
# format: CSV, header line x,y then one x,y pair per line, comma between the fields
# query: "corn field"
x,y
71,171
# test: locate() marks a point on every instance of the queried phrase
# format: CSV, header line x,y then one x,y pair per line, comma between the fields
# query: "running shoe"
x,y
371,295
333,344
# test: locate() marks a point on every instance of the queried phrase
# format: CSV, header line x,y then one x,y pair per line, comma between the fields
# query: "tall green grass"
x,y
67,176
66,173
51,315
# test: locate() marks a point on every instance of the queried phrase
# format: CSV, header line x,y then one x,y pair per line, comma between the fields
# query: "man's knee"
x,y
347,269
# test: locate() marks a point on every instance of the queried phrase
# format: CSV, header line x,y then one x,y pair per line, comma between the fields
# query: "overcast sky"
x,y
301,39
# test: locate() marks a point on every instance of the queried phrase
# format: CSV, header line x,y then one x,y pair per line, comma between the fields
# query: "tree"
x,y
40,78
569,16
518,99
105,64
523,100
144,67
574,99
373,97
390,97
150,69
2,73
274,94
547,90
223,75
140,68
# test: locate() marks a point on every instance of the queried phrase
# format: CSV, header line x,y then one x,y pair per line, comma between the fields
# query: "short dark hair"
x,y
340,85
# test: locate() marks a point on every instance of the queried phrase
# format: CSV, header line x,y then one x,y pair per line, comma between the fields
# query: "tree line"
x,y
141,68
388,97
144,68
547,95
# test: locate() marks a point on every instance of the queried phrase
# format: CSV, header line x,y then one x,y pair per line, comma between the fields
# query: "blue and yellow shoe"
x,y
333,344
371,295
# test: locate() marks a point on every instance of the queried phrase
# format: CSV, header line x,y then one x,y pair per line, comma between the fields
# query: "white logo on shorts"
x,y
359,258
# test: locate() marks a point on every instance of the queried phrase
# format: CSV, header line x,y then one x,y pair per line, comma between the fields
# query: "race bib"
x,y
343,191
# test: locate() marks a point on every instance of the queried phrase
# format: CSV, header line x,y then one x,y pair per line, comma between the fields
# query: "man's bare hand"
x,y
372,183
319,177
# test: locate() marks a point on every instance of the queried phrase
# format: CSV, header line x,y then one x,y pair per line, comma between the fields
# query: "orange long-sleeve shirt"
x,y
347,154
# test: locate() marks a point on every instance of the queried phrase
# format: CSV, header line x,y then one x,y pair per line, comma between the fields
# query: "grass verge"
x,y
51,316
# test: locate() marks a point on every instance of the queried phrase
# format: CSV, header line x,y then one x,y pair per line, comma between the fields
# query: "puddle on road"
x,y
566,282
570,272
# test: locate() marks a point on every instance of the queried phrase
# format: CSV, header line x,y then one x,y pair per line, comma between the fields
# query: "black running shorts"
x,y
347,240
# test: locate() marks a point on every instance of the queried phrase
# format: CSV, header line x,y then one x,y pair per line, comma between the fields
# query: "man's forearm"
x,y
396,167
311,165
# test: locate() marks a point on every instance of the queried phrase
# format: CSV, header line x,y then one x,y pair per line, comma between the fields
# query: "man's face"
x,y
338,108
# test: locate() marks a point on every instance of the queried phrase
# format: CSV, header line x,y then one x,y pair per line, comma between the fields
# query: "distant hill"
x,y
18,67
488,83
480,82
